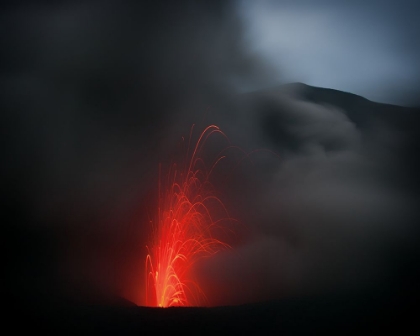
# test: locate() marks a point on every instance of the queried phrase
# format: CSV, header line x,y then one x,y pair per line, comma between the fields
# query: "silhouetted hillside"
x,y
359,109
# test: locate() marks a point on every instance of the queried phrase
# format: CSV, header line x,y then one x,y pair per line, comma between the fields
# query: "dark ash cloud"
x,y
95,95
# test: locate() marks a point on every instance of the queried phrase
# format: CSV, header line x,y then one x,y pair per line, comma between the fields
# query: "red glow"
x,y
185,229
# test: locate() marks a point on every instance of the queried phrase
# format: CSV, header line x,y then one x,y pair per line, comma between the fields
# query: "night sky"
x,y
369,48
95,95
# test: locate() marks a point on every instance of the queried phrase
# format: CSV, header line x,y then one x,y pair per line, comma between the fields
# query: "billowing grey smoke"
x,y
339,211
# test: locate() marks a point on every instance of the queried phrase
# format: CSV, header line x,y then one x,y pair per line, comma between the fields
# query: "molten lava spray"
x,y
185,228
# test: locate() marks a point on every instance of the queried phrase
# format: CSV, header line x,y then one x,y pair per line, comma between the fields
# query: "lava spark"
x,y
185,228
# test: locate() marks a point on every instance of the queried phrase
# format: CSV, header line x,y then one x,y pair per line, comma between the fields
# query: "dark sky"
x,y
95,95
370,47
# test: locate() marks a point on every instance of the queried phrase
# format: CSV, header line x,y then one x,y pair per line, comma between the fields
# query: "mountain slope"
x,y
359,109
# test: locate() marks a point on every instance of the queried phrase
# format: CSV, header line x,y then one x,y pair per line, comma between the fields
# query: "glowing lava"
x,y
185,229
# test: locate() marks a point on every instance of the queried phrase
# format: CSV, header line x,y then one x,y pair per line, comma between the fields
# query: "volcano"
x,y
375,309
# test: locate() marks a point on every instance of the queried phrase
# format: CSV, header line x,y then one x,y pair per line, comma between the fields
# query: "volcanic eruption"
x,y
190,215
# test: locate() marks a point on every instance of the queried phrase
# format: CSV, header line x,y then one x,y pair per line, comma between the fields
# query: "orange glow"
x,y
185,230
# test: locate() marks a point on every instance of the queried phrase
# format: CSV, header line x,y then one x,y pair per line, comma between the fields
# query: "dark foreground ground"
x,y
346,314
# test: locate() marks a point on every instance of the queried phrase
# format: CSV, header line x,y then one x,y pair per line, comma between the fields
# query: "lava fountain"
x,y
189,215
